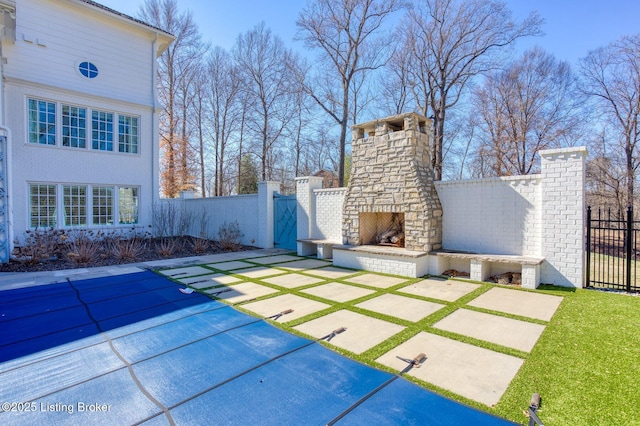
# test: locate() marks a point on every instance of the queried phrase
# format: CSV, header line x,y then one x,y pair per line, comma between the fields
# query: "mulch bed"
x,y
184,248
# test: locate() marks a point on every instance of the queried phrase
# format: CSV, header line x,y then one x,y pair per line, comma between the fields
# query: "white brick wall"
x,y
385,264
328,219
563,216
538,215
496,215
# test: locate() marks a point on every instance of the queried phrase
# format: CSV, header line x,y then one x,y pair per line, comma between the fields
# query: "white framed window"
x,y
128,205
128,134
78,125
103,205
42,205
42,122
75,205
82,205
74,126
102,130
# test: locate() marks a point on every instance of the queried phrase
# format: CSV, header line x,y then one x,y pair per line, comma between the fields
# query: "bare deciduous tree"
x,y
450,42
344,31
395,85
611,77
262,61
173,71
605,175
224,86
199,118
533,104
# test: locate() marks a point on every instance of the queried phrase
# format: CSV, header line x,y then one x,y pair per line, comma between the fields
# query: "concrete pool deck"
x,y
468,332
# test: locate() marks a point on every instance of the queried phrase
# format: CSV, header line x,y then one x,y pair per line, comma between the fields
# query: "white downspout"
x,y
7,154
155,143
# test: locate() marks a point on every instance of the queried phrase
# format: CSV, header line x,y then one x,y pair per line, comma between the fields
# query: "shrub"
x,y
83,246
164,217
166,247
39,245
229,236
127,249
199,245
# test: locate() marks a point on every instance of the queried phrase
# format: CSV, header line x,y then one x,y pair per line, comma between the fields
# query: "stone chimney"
x,y
391,189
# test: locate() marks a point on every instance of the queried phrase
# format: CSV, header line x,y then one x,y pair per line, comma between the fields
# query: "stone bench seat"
x,y
481,265
322,248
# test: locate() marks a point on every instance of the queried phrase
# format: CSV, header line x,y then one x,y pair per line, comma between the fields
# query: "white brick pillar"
x,y
265,213
563,216
306,207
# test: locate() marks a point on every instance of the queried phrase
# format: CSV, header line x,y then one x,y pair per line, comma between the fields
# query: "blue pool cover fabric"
x,y
132,349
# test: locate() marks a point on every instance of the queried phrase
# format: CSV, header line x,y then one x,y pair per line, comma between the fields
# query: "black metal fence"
x,y
613,256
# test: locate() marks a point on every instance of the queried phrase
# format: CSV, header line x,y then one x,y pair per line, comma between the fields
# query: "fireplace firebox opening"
x,y
386,229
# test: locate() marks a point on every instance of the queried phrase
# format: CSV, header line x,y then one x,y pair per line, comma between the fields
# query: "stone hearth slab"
x,y
188,271
331,272
304,264
228,266
475,373
274,259
378,281
401,307
301,306
508,332
522,303
441,289
338,292
362,332
241,292
292,280
205,281
258,272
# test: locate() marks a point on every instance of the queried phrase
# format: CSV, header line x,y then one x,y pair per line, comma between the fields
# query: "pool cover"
x,y
132,349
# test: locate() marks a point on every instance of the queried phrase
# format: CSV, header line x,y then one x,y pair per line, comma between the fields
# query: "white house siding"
x,y
65,33
52,38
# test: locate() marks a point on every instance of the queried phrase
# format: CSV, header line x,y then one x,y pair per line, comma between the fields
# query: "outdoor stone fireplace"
x,y
391,199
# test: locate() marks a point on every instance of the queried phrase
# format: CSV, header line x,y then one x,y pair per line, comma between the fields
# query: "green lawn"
x,y
586,365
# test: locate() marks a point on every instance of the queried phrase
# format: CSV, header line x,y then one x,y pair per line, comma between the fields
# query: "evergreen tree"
x,y
248,179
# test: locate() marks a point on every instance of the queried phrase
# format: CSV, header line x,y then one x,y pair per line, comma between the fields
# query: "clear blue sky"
x,y
572,27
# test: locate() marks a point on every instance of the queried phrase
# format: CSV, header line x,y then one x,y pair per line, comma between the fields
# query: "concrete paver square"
x,y
476,373
362,332
274,259
401,307
375,280
304,264
121,270
523,303
240,292
301,306
187,271
259,272
508,332
338,292
331,272
292,280
436,288
205,281
228,266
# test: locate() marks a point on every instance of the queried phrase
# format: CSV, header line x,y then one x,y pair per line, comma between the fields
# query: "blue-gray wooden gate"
x,y
285,226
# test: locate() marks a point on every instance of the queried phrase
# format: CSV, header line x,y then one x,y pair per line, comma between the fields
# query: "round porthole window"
x,y
88,70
